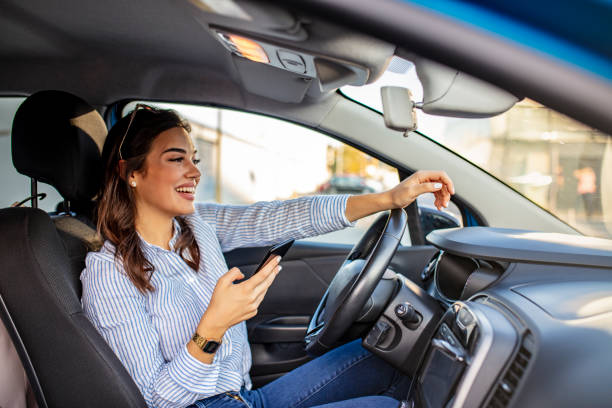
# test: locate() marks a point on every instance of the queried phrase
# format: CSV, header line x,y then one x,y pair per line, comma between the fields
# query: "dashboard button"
x,y
378,334
408,315
291,61
448,335
465,323
465,318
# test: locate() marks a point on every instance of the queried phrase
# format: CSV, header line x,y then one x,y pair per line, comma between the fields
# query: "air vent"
x,y
505,388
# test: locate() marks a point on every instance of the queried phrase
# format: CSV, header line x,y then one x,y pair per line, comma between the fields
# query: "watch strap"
x,y
207,345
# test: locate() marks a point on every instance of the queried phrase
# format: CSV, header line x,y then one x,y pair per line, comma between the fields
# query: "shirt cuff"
x,y
194,375
328,213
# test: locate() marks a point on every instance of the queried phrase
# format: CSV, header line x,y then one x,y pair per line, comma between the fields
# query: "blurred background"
x,y
560,164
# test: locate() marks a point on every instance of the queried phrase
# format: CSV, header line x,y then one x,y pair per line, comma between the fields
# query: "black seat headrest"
x,y
57,138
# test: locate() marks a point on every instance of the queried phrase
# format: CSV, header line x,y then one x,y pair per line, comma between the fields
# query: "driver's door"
x,y
276,334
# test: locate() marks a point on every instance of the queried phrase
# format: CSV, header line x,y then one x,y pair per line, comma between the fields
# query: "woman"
x,y
160,294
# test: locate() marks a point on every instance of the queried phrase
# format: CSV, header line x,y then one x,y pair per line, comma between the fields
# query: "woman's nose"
x,y
194,171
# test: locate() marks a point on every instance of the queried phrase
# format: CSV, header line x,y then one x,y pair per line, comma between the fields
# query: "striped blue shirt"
x,y
149,332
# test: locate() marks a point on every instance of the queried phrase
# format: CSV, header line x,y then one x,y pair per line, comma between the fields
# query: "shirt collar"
x,y
152,249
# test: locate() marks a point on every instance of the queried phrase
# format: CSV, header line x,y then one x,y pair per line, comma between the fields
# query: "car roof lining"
x,y
108,51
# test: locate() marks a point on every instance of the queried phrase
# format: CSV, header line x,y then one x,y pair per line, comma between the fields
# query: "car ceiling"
x,y
166,50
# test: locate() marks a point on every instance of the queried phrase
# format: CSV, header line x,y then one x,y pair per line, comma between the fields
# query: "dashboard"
x,y
504,318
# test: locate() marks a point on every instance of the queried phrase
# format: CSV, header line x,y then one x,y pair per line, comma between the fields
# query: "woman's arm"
x,y
402,195
270,222
119,313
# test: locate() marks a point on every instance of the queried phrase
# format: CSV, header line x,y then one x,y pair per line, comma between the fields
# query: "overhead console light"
x,y
247,48
270,54
282,73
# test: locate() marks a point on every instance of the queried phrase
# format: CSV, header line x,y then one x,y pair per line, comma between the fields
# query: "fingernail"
x,y
278,259
279,268
437,186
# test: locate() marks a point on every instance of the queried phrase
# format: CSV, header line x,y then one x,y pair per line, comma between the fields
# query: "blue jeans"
x,y
348,376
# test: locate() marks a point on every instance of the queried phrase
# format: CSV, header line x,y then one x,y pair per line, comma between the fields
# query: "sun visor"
x,y
271,82
448,92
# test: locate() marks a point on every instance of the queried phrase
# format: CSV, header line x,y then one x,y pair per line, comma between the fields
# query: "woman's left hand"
x,y
424,181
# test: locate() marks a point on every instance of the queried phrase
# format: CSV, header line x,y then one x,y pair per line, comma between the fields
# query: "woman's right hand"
x,y
232,303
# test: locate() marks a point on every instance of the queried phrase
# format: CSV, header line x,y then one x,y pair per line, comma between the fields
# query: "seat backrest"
x,y
57,138
73,364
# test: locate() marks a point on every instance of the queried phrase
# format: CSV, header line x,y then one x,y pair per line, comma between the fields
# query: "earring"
x,y
133,183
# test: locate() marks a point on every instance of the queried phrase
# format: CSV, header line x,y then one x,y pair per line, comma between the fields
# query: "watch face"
x,y
211,346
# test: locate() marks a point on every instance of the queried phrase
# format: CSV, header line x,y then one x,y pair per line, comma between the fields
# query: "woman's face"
x,y
166,184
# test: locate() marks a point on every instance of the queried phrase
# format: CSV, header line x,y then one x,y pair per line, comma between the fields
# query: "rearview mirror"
x,y
398,109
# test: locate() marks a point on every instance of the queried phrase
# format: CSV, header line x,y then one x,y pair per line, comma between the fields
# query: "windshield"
x,y
560,164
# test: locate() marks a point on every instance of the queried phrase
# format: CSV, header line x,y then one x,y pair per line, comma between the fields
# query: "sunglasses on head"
x,y
138,107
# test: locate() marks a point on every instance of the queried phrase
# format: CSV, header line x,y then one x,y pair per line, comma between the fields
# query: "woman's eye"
x,y
196,161
176,159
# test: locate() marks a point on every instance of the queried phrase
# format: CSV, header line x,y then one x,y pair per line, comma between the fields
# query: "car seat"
x,y
57,138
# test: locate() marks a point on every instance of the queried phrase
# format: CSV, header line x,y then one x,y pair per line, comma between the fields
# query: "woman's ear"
x,y
131,180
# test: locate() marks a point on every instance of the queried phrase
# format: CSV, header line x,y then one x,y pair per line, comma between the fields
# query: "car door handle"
x,y
286,329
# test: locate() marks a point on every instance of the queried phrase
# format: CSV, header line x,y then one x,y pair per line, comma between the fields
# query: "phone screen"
x,y
277,250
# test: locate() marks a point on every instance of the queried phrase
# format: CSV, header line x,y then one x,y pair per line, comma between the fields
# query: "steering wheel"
x,y
354,283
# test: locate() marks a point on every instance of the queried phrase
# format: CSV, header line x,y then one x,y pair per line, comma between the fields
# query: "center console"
x,y
470,348
457,358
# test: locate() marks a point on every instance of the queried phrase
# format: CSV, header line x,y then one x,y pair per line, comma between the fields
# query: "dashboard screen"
x,y
439,378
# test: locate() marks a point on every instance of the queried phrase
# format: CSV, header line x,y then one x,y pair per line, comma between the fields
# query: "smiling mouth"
x,y
189,190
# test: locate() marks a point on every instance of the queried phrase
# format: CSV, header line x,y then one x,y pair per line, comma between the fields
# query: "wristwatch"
x,y
207,345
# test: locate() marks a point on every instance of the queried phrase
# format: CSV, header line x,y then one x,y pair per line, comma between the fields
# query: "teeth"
x,y
190,190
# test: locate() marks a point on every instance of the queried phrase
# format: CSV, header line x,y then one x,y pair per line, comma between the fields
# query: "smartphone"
x,y
277,250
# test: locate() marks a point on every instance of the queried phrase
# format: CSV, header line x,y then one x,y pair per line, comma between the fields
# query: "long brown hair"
x,y
116,209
